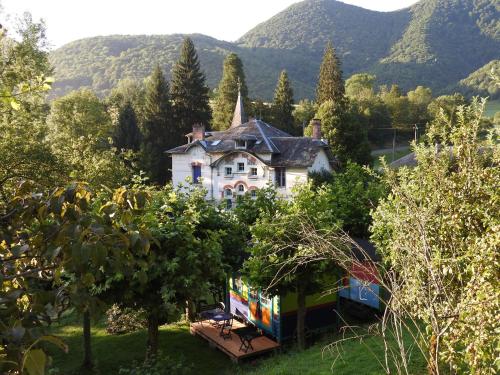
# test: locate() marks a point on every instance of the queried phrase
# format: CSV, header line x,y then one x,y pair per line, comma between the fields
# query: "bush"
x,y
158,365
120,321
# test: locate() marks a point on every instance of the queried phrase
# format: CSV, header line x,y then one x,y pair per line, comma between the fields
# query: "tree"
x,y
233,78
24,80
303,114
127,134
447,103
438,231
344,132
282,108
372,111
54,248
360,86
159,135
419,99
398,106
188,91
127,91
183,262
280,239
330,82
80,130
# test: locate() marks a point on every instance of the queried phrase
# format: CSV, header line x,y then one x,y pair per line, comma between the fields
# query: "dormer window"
x,y
241,144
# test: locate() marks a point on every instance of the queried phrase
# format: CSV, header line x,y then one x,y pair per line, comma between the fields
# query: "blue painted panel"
x,y
365,293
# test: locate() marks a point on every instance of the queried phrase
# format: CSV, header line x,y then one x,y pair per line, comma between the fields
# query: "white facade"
x,y
225,176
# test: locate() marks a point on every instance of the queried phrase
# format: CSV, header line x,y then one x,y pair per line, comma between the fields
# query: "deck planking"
x,y
231,346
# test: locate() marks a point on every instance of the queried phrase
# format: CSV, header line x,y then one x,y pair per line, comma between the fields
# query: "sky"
x,y
68,20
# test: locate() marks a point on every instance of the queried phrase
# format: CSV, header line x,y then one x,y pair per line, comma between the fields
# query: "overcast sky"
x,y
69,20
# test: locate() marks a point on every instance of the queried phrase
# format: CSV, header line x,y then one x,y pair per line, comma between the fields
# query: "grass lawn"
x,y
388,157
112,352
356,358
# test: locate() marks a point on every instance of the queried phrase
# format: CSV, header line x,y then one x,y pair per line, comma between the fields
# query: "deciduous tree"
x,y
439,232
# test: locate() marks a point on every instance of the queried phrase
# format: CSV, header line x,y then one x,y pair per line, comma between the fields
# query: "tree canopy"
x,y
282,107
438,230
188,91
233,79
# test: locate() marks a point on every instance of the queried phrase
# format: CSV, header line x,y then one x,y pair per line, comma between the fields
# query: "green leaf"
x,y
15,105
56,341
35,361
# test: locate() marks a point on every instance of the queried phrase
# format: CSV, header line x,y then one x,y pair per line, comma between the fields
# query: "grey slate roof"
x,y
262,138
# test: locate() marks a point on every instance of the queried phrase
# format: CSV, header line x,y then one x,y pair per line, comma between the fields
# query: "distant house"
x,y
247,157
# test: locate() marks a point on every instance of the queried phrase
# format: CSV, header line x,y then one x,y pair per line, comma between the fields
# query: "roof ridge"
x,y
264,136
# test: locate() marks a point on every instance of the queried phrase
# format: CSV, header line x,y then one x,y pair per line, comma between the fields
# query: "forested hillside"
x,y
482,81
434,43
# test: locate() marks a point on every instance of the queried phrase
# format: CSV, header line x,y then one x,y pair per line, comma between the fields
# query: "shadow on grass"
x,y
111,352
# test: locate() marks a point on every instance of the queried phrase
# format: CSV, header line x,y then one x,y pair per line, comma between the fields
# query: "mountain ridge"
x,y
434,43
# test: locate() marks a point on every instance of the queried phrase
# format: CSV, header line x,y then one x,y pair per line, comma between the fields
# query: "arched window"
x,y
228,193
253,193
241,188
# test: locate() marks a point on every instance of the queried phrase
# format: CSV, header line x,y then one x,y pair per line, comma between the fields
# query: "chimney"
x,y
316,128
198,132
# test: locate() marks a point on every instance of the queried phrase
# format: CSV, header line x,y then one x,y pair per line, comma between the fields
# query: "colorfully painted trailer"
x,y
277,315
362,285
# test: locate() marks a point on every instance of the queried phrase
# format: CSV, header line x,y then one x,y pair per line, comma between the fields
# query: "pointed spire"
x,y
239,112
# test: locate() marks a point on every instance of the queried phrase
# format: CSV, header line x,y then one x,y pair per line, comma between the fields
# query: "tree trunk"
x,y
152,343
301,316
432,367
190,311
87,345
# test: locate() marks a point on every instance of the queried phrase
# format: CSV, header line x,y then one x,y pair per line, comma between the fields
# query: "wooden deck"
x,y
231,345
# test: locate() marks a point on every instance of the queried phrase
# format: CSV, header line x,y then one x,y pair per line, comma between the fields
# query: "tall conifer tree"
x,y
158,132
227,93
330,82
283,105
127,134
188,91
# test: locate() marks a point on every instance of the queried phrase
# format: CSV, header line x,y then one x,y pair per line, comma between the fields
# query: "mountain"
x,y
484,82
435,43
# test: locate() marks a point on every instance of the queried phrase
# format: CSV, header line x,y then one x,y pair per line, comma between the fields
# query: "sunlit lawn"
x,y
388,157
112,352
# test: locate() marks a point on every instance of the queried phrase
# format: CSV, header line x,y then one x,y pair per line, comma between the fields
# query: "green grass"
x,y
492,107
388,157
112,352
353,357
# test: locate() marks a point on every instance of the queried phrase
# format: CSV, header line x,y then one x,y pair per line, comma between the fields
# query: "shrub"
x,y
120,321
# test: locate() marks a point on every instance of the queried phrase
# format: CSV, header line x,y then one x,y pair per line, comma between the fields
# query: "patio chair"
x,y
226,327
